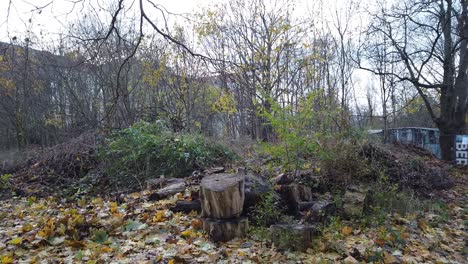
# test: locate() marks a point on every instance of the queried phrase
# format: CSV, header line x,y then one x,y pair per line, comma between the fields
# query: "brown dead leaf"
x,y
347,230
75,243
106,249
196,223
390,259
424,226
379,242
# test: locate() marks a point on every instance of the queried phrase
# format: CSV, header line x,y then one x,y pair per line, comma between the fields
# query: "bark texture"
x,y
222,196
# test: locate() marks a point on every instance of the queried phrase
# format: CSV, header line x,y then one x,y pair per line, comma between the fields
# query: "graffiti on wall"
x,y
461,149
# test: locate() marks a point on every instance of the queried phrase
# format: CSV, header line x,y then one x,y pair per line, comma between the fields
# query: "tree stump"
x,y
222,230
222,196
294,194
222,199
294,237
354,202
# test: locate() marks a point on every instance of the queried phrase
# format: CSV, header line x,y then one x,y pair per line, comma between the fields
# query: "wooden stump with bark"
x,y
293,236
295,195
222,199
222,196
222,230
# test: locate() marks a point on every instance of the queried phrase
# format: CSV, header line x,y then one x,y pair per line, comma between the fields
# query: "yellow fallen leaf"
x,y
42,234
159,217
172,261
189,233
98,201
347,230
113,207
7,259
107,249
26,228
16,241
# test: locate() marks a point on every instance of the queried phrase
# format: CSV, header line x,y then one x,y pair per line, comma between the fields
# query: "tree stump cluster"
x,y
222,199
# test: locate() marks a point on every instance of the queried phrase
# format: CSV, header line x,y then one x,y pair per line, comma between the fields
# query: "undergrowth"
x,y
146,150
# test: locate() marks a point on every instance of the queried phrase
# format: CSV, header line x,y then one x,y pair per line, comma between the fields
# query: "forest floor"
x,y
135,230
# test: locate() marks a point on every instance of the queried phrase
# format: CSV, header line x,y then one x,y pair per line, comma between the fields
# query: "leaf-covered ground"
x,y
137,231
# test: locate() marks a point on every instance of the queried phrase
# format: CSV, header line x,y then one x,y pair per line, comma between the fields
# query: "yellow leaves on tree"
x,y
224,104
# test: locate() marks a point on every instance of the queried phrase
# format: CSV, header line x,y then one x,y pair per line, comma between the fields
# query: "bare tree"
x,y
430,41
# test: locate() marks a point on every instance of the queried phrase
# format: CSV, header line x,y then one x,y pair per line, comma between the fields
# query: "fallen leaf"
x,y
196,223
189,233
7,259
390,259
106,249
16,241
159,217
75,243
424,226
347,230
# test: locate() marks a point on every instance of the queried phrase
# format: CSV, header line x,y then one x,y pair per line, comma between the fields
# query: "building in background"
x,y
423,137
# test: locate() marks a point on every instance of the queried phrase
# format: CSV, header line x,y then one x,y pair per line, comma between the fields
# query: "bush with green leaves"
x,y
148,150
299,132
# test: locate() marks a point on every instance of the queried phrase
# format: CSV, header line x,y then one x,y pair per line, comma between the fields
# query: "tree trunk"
x,y
446,142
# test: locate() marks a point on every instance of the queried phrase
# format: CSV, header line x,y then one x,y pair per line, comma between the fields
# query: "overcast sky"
x,y
19,16
16,14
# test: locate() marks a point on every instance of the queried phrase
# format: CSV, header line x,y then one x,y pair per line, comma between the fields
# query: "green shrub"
x,y
146,151
5,181
267,211
299,132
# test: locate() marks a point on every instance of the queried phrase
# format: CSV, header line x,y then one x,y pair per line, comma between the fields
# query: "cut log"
x,y
255,188
222,196
294,237
319,210
354,202
294,194
159,183
304,206
169,190
283,178
187,206
213,170
221,230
